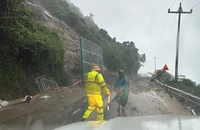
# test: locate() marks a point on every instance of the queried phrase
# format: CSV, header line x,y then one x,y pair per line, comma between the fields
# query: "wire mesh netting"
x,y
91,54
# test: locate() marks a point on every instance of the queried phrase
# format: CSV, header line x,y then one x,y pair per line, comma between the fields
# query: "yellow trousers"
x,y
94,101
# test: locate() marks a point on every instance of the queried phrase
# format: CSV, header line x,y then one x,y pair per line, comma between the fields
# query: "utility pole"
x,y
154,63
179,12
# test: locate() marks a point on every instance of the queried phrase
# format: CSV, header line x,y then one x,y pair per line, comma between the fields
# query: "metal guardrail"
x,y
181,91
45,84
193,100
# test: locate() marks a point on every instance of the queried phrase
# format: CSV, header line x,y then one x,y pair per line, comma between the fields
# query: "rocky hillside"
x,y
69,38
116,55
41,37
64,17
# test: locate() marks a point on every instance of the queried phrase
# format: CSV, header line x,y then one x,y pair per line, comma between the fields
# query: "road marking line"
x,y
154,93
76,111
193,112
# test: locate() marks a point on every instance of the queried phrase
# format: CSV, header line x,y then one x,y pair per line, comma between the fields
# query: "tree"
x,y
116,55
28,49
143,58
3,6
91,17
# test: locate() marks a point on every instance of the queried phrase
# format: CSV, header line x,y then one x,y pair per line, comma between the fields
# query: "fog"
x,y
144,22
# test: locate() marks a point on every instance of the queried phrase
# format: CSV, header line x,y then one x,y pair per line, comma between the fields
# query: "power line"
x,y
165,24
173,3
185,20
189,15
196,5
172,26
179,12
167,19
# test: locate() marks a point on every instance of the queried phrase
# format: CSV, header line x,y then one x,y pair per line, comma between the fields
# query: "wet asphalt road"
x,y
145,99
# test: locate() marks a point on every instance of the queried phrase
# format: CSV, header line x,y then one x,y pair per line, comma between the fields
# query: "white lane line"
x,y
154,93
76,111
193,112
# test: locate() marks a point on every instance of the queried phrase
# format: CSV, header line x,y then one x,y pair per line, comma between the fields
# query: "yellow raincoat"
x,y
94,83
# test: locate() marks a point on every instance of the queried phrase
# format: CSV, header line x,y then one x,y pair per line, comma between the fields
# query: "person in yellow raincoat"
x,y
94,83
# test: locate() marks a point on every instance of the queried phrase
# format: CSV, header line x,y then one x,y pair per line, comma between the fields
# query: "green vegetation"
x,y
116,55
28,50
184,84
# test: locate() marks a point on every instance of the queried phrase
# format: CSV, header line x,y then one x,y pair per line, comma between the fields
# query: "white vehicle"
x,y
139,123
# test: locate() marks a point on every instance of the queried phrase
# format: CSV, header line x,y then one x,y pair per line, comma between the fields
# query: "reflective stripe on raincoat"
x,y
95,102
123,84
95,82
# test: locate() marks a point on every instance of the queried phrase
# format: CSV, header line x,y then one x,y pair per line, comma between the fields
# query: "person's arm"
x,y
126,84
116,86
102,84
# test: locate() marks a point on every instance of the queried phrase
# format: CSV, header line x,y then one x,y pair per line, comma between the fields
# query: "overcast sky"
x,y
142,21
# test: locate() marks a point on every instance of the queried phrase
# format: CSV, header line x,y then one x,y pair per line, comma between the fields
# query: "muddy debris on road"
x,y
146,99
65,107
